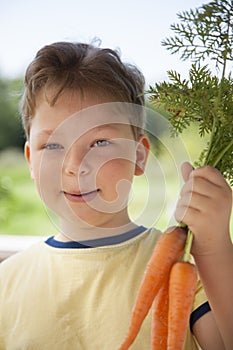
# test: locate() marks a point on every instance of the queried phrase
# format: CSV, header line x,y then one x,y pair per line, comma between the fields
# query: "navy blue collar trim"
x,y
105,241
58,244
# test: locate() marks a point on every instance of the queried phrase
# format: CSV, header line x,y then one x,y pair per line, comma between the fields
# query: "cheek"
x,y
116,171
47,176
115,180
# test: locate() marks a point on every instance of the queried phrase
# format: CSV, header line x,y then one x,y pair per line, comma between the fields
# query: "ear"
x,y
142,152
27,154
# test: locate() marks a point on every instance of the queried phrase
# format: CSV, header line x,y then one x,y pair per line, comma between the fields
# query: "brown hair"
x,y
78,67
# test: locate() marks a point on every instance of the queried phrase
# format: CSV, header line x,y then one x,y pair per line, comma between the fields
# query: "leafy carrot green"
x,y
204,99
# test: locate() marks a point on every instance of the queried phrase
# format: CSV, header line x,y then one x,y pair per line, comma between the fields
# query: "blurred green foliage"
x,y
21,210
11,131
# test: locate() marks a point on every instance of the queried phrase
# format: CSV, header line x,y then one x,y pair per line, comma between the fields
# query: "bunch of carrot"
x,y
168,285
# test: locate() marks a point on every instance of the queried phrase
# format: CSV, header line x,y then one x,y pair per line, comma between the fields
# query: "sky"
x,y
136,27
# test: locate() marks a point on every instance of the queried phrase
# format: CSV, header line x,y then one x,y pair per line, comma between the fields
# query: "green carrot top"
x,y
204,99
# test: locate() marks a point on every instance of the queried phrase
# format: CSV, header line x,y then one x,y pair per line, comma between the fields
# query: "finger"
x,y
186,169
186,214
197,201
201,186
211,174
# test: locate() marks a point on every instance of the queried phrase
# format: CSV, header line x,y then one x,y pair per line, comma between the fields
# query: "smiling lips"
x,y
81,197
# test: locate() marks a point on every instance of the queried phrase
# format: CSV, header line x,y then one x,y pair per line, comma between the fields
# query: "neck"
x,y
80,232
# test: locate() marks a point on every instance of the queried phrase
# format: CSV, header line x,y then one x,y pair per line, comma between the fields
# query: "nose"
x,y
75,164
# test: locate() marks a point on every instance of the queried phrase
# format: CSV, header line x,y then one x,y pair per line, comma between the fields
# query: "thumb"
x,y
186,169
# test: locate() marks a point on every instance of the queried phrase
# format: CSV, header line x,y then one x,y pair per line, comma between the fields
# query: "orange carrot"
x,y
159,325
182,287
166,252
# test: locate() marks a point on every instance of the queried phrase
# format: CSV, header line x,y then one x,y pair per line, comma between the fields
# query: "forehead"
x,y
74,115
74,112
69,102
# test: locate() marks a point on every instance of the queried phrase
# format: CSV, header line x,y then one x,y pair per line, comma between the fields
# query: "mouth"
x,y
81,197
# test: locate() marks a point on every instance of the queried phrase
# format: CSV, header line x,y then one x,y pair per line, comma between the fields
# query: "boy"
x,y
83,116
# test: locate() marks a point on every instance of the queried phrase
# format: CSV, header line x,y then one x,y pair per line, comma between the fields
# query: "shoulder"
x,y
20,262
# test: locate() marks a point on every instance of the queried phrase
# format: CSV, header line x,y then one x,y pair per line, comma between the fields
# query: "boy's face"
x,y
83,163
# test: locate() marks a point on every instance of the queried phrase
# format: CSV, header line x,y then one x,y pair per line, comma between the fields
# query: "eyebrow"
x,y
49,132
113,126
104,126
45,132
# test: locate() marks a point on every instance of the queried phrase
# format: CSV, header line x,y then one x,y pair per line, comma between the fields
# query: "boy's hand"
x,y
205,206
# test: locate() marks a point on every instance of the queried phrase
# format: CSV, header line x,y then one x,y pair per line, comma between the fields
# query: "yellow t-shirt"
x,y
76,299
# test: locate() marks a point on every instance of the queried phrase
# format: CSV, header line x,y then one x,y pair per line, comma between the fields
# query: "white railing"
x,y
10,245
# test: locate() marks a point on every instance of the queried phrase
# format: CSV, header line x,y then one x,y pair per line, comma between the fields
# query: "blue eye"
x,y
101,143
53,146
